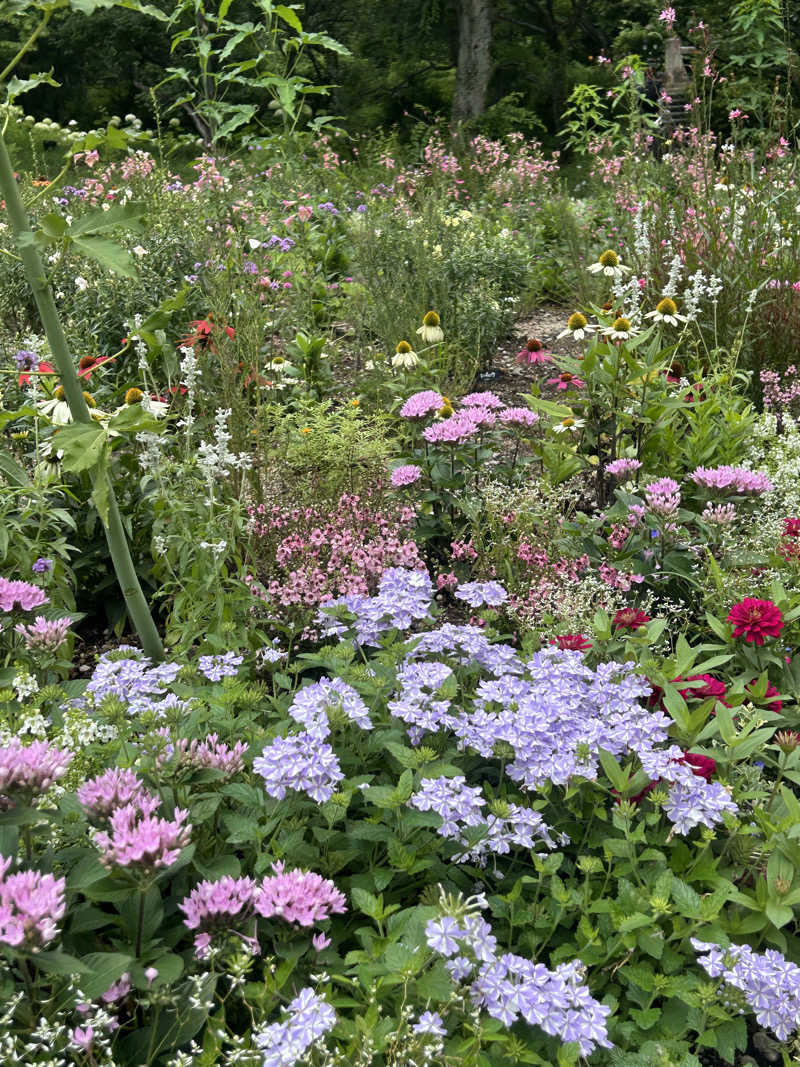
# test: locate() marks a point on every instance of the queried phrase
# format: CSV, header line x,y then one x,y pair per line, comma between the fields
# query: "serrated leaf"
x,y
82,444
127,215
108,254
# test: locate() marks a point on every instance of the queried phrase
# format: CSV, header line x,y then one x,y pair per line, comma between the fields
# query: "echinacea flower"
x,y
619,330
88,364
609,265
431,331
756,619
567,380
666,311
405,356
568,425
533,352
577,327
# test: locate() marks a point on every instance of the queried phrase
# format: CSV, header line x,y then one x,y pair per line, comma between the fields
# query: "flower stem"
x,y
37,280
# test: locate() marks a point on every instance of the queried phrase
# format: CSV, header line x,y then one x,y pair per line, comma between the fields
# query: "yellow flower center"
x,y
402,348
59,394
576,321
609,258
431,319
90,400
134,396
667,307
446,410
567,422
621,325
278,360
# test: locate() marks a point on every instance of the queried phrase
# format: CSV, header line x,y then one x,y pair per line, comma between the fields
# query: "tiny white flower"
x,y
81,283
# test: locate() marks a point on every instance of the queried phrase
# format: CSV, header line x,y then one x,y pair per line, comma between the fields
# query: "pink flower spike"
x,y
320,942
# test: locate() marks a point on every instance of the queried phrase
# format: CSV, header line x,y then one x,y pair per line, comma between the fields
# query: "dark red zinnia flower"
x,y
756,619
572,642
773,705
711,687
629,619
791,527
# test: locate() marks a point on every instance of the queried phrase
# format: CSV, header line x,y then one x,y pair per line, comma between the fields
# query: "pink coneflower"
x,y
756,619
566,380
534,352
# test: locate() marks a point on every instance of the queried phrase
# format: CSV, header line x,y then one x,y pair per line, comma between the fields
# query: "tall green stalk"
x,y
127,578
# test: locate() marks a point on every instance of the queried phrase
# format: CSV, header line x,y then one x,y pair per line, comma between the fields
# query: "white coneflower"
x,y
405,356
609,265
667,311
619,330
58,411
568,425
577,327
431,329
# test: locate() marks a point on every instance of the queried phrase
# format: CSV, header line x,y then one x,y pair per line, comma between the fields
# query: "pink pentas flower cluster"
x,y
218,906
732,479
115,788
24,595
316,555
622,468
407,474
301,897
31,769
420,405
31,905
143,842
44,635
212,754
663,496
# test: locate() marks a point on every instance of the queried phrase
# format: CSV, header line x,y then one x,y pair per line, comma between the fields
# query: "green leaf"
x,y
615,774
108,254
17,86
12,471
289,17
101,489
366,902
82,444
687,901
59,963
104,969
127,215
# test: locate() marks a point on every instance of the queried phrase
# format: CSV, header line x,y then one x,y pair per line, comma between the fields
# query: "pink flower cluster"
x,y
31,905
296,896
318,555
621,468
44,635
141,840
405,475
23,594
212,754
301,897
780,394
419,405
115,788
31,769
663,497
732,479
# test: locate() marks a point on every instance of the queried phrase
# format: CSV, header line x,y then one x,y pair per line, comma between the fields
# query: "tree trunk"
x,y
474,59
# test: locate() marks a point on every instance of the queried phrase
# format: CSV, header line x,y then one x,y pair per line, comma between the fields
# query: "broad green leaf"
x,y
127,215
82,444
289,17
107,254
12,471
104,969
17,86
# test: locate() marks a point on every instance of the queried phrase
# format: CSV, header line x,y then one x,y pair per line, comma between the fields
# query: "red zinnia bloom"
x,y
571,642
629,619
711,687
702,766
791,527
773,705
756,619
